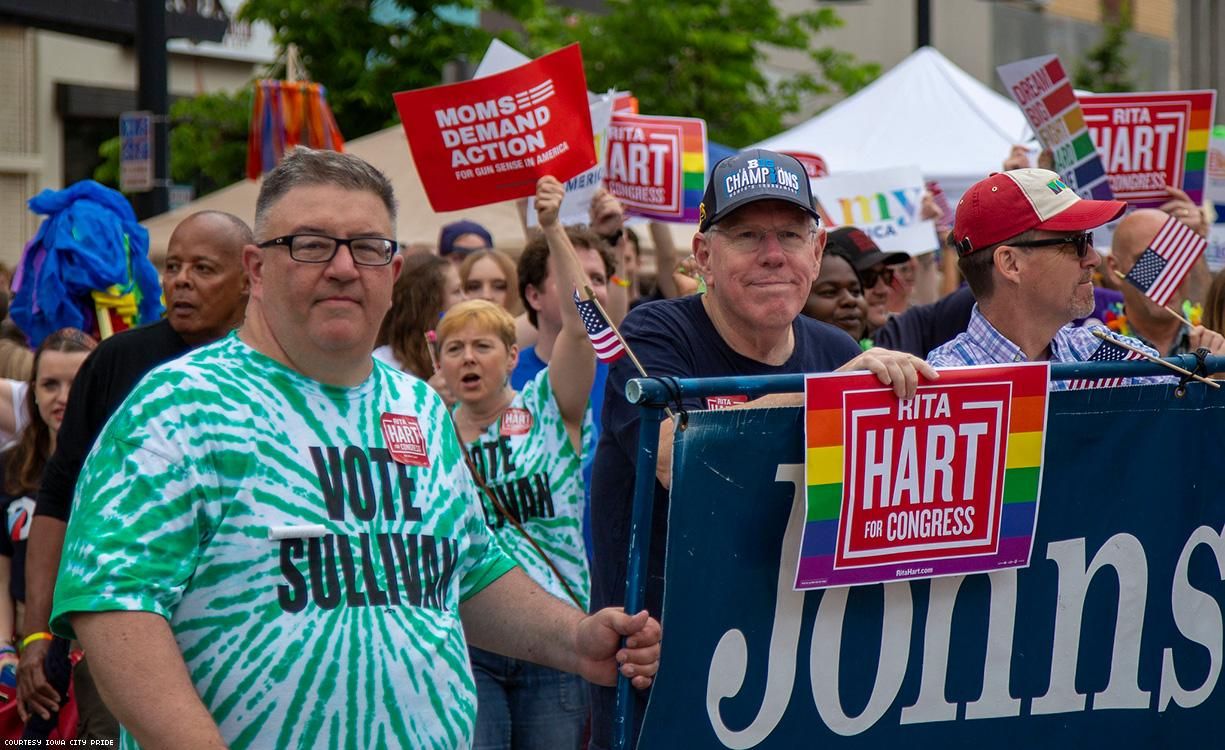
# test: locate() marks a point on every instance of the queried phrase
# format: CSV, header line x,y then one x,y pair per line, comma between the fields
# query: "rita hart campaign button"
x,y
516,421
404,439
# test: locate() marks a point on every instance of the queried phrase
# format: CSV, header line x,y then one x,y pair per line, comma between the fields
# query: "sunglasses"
x,y
1082,242
872,275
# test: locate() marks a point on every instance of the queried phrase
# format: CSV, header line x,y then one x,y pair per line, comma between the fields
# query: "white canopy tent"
x,y
925,111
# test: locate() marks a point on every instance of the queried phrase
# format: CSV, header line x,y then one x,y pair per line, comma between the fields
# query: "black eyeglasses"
x,y
872,275
1082,242
318,248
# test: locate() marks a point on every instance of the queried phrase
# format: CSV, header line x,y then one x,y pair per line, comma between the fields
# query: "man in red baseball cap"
x,y
1025,246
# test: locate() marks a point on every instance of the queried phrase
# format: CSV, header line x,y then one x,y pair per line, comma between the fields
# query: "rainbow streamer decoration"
x,y
828,466
1042,89
287,114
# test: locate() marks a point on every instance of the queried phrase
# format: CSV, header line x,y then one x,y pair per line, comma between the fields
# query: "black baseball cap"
x,y
860,249
754,175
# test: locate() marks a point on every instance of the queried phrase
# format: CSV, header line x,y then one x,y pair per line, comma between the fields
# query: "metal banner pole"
x,y
640,548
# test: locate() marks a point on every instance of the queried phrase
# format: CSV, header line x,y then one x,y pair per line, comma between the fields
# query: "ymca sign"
x,y
884,203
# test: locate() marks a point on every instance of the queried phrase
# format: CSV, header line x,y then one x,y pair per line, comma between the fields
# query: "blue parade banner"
x,y
1112,637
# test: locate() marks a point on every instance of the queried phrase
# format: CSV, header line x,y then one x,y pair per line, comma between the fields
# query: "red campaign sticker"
x,y
516,422
725,402
404,439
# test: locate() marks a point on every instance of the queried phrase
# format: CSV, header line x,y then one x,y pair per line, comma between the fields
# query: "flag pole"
x,y
1167,308
617,332
1151,358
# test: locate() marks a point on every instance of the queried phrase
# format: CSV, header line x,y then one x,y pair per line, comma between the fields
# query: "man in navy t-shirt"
x,y
759,248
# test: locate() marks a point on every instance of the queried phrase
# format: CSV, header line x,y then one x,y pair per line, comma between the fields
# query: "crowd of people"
x,y
350,495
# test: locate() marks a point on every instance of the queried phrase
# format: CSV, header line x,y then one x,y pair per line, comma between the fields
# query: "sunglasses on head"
x,y
1082,242
872,275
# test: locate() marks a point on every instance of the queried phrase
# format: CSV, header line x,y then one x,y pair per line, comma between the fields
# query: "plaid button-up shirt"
x,y
982,344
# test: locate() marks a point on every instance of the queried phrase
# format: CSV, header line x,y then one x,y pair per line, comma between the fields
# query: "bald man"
x,y
1148,321
206,294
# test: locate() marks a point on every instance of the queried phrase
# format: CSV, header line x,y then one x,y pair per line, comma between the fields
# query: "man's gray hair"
x,y
305,166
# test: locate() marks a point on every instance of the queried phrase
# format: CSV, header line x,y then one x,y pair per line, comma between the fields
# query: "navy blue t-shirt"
x,y
673,337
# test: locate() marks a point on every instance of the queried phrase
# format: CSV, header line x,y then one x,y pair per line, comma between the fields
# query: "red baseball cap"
x,y
1008,203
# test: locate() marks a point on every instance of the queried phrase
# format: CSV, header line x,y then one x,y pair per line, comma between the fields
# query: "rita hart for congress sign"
x,y
489,140
945,483
1150,140
657,165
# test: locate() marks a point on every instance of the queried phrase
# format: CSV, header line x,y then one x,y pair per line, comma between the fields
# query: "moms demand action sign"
x,y
489,140
944,483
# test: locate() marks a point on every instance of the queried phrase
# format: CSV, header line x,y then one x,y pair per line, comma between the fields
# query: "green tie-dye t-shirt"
x,y
344,635
527,461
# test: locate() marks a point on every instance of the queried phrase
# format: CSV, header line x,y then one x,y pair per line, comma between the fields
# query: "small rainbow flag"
x,y
878,513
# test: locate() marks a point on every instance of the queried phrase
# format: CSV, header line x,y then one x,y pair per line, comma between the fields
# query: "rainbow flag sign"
x,y
1044,92
945,483
1150,140
657,165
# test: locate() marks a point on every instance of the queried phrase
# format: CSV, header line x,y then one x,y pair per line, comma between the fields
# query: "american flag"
x,y
1105,352
604,339
1161,268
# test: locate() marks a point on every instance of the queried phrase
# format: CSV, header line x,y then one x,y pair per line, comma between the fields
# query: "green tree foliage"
x,y
208,142
699,58
363,51
1106,68
703,58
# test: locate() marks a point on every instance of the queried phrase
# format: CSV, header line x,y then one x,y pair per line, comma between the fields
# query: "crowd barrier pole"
x,y
652,395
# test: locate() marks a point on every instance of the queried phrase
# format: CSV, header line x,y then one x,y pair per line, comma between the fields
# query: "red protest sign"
x,y
1150,140
624,101
896,512
944,483
657,165
814,165
489,140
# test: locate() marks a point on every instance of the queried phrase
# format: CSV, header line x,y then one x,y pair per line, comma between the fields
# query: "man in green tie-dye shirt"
x,y
276,540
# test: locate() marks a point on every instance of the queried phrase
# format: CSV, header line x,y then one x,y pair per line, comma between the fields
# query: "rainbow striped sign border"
x,y
828,466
